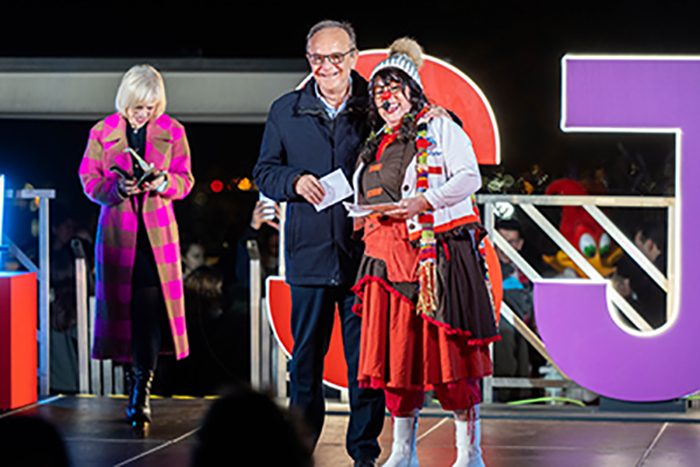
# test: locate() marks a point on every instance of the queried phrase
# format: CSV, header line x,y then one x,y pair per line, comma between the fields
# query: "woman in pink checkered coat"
x,y
140,304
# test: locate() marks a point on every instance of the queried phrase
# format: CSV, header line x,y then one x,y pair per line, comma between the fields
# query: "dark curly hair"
x,y
416,98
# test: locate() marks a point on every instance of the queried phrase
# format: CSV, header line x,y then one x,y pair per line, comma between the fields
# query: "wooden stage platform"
x,y
96,435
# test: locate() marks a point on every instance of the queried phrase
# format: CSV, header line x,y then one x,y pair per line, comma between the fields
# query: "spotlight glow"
x,y
2,203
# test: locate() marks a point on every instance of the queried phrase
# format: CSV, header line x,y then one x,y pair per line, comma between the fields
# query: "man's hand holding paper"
x,y
336,189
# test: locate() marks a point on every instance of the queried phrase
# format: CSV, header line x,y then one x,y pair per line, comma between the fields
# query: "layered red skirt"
x,y
405,350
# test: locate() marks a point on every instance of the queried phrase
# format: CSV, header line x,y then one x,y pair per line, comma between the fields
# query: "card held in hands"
x,y
337,189
360,210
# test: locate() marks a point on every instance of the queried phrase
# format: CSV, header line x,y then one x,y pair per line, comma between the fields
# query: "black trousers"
x,y
313,313
149,317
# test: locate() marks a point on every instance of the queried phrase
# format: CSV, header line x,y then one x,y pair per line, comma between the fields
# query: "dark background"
x,y
511,49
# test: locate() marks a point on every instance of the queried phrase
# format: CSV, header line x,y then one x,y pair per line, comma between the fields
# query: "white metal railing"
x,y
591,204
98,377
268,365
42,275
268,362
94,376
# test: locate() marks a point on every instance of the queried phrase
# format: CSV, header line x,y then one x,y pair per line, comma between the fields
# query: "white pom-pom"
x,y
408,46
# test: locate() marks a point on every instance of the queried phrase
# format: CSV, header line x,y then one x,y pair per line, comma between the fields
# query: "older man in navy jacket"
x,y
310,133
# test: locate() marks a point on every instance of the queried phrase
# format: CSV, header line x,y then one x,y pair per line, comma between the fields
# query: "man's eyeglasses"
x,y
335,58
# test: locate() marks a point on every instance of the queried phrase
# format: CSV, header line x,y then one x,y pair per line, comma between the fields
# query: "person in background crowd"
x,y
651,240
264,229
193,256
139,289
64,336
218,350
510,354
510,230
636,285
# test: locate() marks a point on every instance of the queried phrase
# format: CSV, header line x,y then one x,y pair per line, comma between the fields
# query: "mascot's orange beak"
x,y
561,261
612,259
602,265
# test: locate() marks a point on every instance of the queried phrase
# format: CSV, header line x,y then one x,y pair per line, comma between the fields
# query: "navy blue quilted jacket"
x,y
300,139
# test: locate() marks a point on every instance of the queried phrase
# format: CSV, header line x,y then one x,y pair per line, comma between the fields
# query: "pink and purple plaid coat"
x,y
115,246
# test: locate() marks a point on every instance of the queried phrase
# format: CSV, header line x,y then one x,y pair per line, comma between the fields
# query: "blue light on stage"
x,y
2,203
2,211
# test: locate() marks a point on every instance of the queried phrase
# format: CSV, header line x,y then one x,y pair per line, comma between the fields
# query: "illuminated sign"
x,y
632,94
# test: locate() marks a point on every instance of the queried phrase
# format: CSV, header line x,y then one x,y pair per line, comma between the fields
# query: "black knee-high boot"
x,y
138,411
129,374
148,315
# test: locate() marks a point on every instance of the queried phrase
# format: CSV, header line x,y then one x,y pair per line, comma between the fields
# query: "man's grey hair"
x,y
329,23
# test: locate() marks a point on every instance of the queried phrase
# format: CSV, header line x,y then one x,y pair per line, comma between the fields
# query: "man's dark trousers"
x,y
313,311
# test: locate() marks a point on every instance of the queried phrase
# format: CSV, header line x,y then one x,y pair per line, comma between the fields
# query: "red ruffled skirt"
x,y
400,348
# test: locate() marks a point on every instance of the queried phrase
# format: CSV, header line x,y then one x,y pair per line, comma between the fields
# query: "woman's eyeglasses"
x,y
335,58
380,91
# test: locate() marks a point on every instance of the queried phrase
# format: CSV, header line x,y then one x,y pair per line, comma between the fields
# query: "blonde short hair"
x,y
142,84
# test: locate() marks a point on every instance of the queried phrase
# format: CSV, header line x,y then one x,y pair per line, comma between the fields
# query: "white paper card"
x,y
355,210
269,209
337,189
360,210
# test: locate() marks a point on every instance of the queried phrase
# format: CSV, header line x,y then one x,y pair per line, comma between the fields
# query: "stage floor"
x,y
96,435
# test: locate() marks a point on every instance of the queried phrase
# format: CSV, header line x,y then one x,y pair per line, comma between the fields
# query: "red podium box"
x,y
18,346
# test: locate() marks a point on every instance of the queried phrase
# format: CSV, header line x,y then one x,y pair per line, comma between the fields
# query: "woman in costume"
x,y
427,314
136,163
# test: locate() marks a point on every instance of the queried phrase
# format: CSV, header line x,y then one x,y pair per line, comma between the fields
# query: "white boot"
x,y
468,446
403,449
414,444
475,459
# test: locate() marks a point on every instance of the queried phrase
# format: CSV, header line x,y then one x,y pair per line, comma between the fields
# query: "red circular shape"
x,y
216,186
335,370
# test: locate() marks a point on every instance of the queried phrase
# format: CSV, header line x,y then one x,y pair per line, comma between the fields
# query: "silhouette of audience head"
x,y
28,441
245,424
203,291
193,255
511,231
650,238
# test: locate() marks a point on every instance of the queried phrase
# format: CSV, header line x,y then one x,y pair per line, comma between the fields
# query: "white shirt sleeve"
x,y
462,169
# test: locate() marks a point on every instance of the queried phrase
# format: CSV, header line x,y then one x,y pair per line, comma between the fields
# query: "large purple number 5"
x,y
632,94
